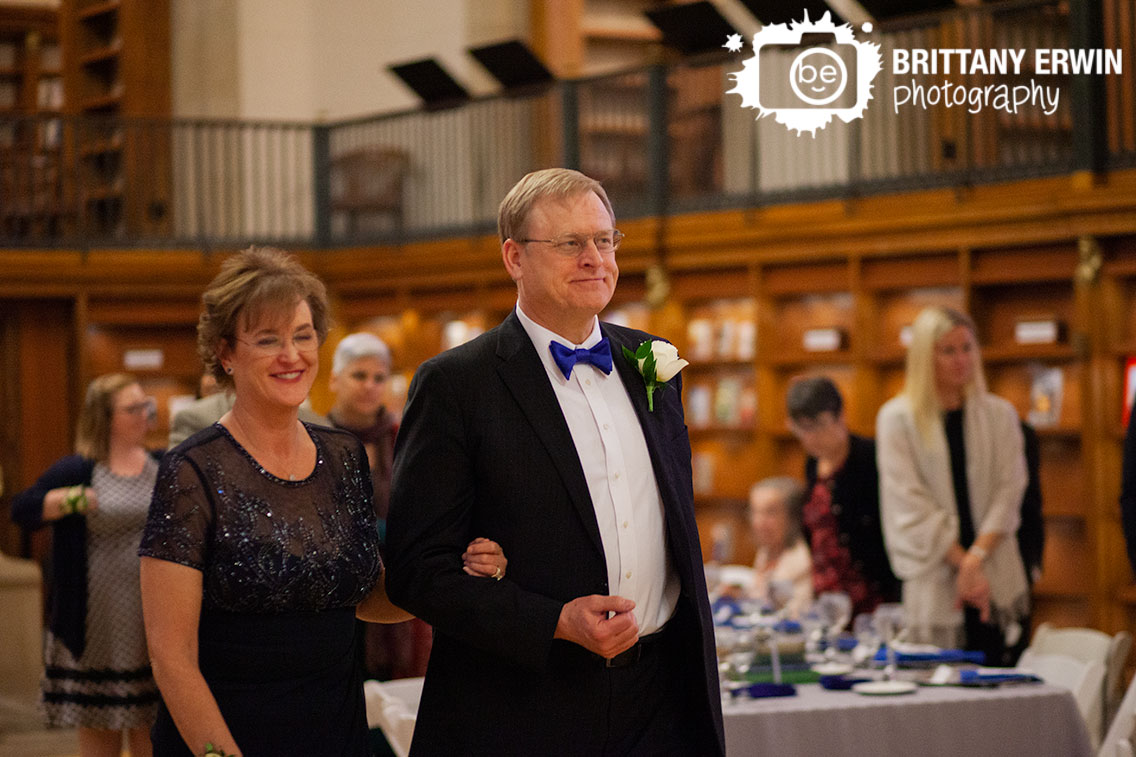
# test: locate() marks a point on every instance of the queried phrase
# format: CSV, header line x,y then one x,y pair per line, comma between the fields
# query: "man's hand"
x,y
585,621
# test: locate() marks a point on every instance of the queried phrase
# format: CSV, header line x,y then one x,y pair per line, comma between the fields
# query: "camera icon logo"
x,y
807,73
823,80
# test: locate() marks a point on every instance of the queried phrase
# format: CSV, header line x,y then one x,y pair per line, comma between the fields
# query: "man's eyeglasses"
x,y
271,344
571,245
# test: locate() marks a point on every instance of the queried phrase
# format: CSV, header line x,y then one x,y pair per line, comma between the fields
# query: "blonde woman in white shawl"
x,y
952,474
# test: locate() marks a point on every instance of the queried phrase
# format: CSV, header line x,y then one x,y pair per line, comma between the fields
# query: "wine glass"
x,y
813,625
725,639
889,621
867,637
835,610
780,594
740,657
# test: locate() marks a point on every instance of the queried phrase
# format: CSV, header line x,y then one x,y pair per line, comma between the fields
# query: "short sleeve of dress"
x,y
181,515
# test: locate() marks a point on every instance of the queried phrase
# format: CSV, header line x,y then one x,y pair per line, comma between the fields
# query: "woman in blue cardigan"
x,y
96,669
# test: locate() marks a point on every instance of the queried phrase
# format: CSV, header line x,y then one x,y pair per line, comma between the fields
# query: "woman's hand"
x,y
972,587
61,502
484,557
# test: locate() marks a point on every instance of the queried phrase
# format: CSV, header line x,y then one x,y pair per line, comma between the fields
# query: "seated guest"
x,y
842,504
782,555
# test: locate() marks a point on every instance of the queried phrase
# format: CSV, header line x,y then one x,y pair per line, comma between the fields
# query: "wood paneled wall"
x,y
103,301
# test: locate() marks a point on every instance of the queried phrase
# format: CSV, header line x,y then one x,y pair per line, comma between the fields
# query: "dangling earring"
x,y
229,369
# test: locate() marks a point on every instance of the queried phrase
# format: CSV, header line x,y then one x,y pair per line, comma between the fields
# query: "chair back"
x,y
1084,679
1088,644
393,707
1121,736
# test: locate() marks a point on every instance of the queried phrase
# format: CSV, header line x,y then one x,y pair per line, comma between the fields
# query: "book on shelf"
x,y
747,406
1047,388
727,401
700,339
702,472
747,340
727,336
699,402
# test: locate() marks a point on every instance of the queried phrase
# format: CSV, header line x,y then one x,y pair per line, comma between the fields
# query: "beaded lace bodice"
x,y
264,544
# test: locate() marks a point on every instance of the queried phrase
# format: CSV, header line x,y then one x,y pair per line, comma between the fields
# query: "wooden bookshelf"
x,y
862,303
117,64
31,89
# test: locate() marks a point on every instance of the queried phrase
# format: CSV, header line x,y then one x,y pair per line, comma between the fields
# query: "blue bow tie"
x,y
566,357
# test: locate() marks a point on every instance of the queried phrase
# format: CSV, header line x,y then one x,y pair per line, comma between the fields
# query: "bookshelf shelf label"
x,y
143,359
1037,331
822,340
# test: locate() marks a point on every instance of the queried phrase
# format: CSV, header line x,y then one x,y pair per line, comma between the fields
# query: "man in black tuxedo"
x,y
599,640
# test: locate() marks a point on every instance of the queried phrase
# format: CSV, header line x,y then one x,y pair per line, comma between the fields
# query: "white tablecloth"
x,y
1032,720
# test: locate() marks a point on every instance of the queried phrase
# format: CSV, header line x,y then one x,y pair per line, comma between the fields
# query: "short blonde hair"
x,y
251,283
929,327
560,183
92,437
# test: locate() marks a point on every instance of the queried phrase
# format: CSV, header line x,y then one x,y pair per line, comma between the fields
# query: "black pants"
x,y
989,638
648,706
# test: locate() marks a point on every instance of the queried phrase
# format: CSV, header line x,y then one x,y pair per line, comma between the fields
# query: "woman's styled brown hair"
x,y
92,438
255,283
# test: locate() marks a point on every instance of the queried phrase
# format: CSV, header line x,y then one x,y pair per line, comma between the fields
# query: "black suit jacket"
x,y
484,450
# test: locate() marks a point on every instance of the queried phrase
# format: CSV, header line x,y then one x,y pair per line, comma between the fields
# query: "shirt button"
x,y
588,382
616,477
627,574
625,524
605,427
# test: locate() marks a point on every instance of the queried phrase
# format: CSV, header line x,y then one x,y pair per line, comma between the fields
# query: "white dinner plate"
x,y
832,669
884,688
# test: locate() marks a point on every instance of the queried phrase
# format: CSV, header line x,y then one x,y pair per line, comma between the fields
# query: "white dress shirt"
x,y
617,466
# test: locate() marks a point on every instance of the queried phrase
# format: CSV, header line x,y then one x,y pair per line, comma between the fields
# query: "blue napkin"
x,y
844,642
980,678
724,609
761,690
943,655
841,683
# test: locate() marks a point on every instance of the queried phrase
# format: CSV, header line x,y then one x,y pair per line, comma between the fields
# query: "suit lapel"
x,y
652,424
636,389
523,374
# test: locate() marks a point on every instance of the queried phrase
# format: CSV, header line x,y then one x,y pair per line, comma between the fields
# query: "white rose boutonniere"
x,y
658,362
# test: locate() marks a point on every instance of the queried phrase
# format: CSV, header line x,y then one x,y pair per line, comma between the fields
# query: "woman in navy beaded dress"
x,y
261,546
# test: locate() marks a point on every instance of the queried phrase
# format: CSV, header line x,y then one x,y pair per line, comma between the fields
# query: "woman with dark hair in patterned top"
x,y
97,672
